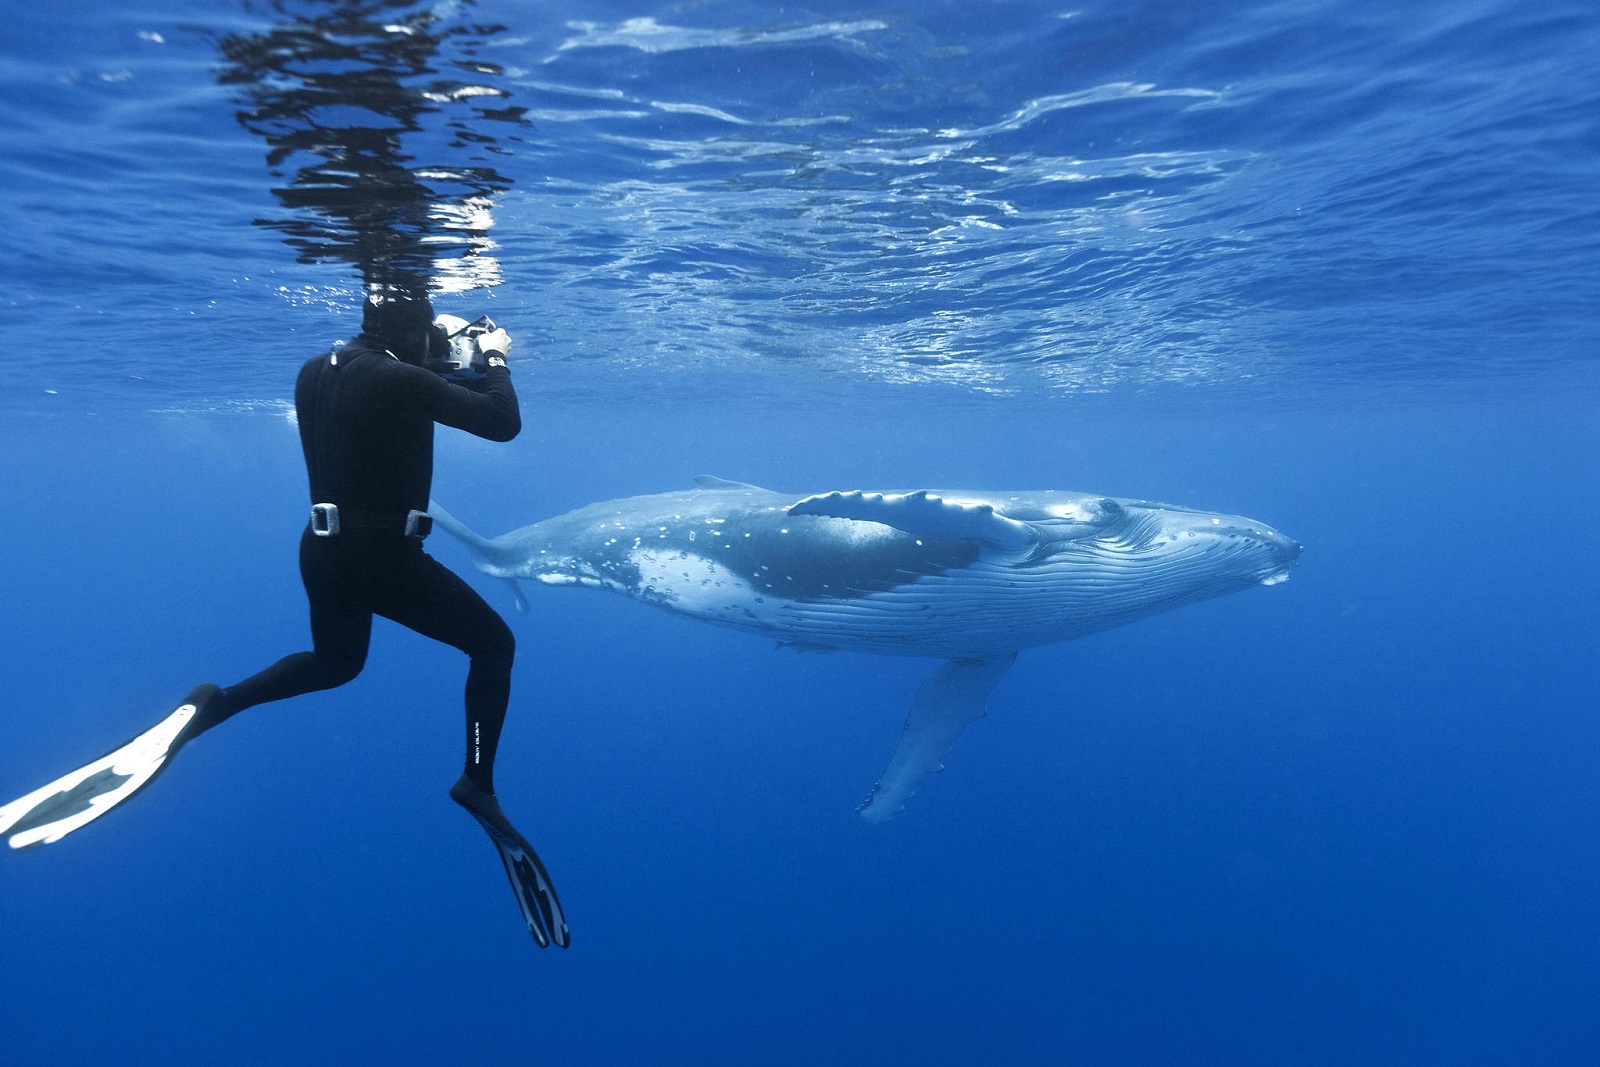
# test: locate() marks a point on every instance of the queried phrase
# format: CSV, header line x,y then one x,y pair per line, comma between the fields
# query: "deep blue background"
x,y
1331,265
1346,819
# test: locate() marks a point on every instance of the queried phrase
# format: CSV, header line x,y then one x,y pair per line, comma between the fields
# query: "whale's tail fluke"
x,y
953,696
486,551
481,546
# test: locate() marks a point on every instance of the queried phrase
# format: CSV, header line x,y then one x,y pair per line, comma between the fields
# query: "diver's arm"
x,y
491,412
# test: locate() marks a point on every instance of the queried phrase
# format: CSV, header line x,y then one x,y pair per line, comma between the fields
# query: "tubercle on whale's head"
x,y
1275,553
1288,554
1239,550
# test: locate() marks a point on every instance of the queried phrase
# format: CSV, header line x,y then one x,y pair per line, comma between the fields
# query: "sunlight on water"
x,y
648,35
1012,205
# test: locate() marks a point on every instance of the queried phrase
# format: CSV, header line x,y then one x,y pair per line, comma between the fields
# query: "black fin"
x,y
530,881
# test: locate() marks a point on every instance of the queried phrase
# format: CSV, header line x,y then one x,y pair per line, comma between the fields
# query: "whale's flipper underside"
x,y
924,514
954,695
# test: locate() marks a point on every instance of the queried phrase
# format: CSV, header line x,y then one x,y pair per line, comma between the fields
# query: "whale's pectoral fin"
x,y
516,593
954,695
925,514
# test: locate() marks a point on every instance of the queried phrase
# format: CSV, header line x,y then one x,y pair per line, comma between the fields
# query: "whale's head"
x,y
1108,560
985,573
1206,546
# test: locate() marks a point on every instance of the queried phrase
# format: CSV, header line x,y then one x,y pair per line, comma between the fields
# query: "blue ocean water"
x,y
1331,265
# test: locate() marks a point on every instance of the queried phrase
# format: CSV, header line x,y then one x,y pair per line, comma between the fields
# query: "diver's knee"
x,y
344,677
499,646
337,672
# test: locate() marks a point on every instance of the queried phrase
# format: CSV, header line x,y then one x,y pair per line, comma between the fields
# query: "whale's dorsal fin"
x,y
954,695
711,481
924,514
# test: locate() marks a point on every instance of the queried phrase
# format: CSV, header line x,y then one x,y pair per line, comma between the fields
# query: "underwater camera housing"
x,y
453,350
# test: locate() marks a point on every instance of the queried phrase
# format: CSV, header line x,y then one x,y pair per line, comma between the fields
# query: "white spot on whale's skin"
x,y
966,577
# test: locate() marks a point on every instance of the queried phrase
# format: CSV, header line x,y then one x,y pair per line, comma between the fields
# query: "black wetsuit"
x,y
366,427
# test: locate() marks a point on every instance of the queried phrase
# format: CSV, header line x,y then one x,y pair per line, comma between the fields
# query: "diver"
x,y
366,415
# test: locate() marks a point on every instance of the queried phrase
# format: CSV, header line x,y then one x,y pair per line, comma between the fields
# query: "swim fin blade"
x,y
79,797
536,895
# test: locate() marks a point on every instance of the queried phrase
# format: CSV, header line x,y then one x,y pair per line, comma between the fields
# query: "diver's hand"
x,y
495,342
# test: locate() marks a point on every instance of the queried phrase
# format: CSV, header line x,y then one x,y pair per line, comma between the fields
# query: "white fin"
x,y
516,594
924,514
79,797
953,696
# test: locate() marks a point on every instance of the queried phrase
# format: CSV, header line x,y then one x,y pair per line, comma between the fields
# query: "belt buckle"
x,y
325,520
419,524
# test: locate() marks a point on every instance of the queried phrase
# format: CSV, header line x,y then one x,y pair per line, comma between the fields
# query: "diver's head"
x,y
401,322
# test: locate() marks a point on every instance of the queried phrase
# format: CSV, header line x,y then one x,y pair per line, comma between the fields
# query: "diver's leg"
x,y
341,632
426,596
434,601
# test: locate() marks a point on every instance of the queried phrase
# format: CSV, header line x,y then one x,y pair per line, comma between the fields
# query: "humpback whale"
x,y
968,577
